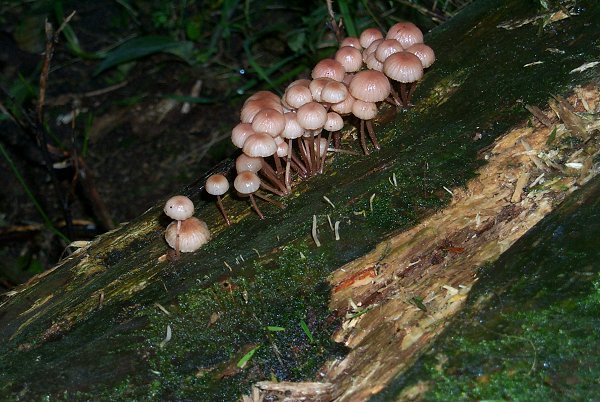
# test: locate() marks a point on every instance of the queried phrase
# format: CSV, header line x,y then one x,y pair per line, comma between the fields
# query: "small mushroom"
x,y
179,208
247,183
187,235
218,185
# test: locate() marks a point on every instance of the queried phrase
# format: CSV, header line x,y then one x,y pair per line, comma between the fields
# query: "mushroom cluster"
x,y
291,134
287,136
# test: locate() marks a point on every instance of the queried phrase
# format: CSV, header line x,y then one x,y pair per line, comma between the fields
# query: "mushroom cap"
x,y
311,116
334,122
370,86
334,92
216,184
373,63
292,128
403,67
297,95
371,49
250,109
260,144
423,52
406,33
364,110
240,133
351,41
282,149
368,36
179,207
245,163
268,121
246,182
329,68
344,107
262,95
350,58
387,47
193,233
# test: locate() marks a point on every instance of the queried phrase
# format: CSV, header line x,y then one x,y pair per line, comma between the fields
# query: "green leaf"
x,y
306,330
137,48
247,357
273,328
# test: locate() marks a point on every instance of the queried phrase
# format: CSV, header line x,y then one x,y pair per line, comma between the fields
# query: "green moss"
x,y
212,328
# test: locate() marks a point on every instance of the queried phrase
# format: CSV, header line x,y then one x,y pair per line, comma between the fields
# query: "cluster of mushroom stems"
x,y
287,138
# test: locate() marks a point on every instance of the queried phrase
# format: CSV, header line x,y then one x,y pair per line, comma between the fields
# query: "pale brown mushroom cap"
x,y
351,41
268,121
334,122
262,95
260,144
334,92
292,129
364,110
250,109
246,183
368,36
386,48
406,33
350,58
193,233
297,95
370,86
403,67
344,107
179,207
311,116
216,184
245,163
372,63
329,68
240,133
423,52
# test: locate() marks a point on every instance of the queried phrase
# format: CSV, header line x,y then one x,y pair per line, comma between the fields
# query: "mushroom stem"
x,y
305,158
363,142
287,166
256,207
222,209
337,140
325,153
311,154
271,189
267,199
404,95
177,239
318,168
299,163
271,175
371,131
410,92
278,166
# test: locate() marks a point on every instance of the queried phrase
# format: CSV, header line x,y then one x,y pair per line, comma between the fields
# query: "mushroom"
x,y
369,87
188,235
179,208
247,183
406,68
218,185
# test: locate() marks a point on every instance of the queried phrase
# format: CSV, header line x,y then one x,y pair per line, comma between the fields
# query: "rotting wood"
x,y
482,222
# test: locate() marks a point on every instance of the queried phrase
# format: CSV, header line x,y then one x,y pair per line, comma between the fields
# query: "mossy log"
x,y
458,180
